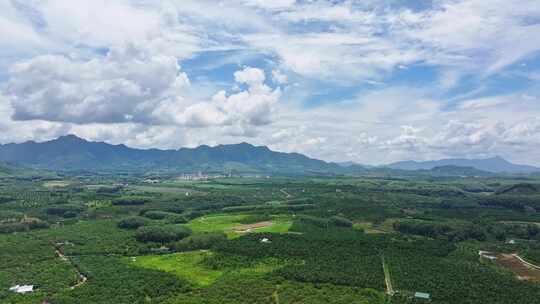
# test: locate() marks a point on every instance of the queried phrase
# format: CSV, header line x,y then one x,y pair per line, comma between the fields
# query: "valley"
x,y
342,239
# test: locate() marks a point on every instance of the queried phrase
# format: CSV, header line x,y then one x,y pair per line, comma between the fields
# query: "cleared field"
x,y
187,265
165,189
278,226
523,271
190,266
369,227
249,227
56,184
217,222
232,226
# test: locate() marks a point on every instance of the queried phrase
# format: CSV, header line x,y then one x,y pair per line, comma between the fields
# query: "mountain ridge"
x,y
73,153
495,164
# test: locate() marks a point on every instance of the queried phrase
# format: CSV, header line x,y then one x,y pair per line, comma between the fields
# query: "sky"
x,y
371,81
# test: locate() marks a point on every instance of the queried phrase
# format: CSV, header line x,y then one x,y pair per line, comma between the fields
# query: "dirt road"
x,y
82,277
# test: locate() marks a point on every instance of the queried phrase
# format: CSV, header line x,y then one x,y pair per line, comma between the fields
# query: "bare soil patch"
x,y
248,227
522,270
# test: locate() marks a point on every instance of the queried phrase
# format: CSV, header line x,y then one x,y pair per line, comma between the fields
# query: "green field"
x,y
187,265
191,266
227,222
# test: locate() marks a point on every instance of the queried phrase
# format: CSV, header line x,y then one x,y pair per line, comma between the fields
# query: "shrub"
x,y
161,234
193,214
316,221
5,199
175,209
36,224
70,214
177,219
10,216
255,218
131,223
156,214
130,201
199,241
25,225
340,221
63,210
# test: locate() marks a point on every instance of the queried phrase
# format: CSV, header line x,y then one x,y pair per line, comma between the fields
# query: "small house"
x,y
265,240
422,295
22,288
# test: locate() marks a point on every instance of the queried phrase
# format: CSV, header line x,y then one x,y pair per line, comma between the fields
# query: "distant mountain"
x,y
494,164
520,189
347,164
8,170
72,153
352,166
458,171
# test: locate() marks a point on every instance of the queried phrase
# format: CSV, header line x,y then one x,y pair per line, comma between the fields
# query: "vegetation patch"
x,y
187,265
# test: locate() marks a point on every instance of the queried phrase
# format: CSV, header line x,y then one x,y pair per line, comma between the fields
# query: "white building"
x,y
22,288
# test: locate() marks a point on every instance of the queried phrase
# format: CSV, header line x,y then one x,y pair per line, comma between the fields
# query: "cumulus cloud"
x,y
130,84
118,87
370,81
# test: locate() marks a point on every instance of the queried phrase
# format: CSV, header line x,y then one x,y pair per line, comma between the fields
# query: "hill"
x,y
71,153
494,164
458,171
520,189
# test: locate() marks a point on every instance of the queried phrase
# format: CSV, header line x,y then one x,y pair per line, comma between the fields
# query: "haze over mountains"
x,y
495,164
69,153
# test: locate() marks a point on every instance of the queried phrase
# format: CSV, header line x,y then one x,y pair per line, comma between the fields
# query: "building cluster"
x,y
202,176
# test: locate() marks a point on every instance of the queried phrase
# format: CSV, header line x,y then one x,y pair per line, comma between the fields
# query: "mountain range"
x,y
71,153
494,164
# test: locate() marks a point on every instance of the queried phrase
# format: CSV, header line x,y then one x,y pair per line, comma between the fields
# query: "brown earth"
x,y
522,270
249,227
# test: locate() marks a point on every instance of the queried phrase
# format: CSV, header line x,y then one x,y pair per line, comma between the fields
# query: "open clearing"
x,y
232,226
165,189
523,270
371,228
249,227
190,266
187,265
56,184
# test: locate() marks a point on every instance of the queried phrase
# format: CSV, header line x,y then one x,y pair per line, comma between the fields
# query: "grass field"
x,y
165,189
186,265
56,184
190,266
369,227
228,222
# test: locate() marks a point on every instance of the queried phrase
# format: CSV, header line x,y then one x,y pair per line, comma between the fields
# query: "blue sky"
x,y
365,81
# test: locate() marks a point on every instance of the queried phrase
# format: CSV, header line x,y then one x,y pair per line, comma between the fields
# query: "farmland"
x,y
277,240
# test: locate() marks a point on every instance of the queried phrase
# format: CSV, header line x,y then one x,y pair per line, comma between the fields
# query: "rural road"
x,y
387,278
82,277
525,262
285,192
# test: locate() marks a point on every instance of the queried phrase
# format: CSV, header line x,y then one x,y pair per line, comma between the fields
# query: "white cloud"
x,y
120,86
62,80
279,78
